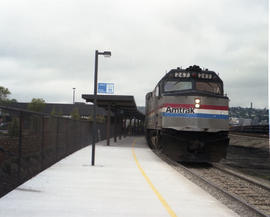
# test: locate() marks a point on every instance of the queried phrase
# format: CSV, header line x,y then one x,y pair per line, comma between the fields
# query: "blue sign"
x,y
106,88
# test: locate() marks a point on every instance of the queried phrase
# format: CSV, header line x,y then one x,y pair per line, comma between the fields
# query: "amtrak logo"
x,y
188,111
180,110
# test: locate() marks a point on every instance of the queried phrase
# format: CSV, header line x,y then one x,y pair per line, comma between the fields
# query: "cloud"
x,y
47,47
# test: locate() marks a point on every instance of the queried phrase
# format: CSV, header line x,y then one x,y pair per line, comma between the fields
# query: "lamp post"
x,y
105,54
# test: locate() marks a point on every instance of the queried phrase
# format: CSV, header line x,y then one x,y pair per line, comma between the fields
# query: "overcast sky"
x,y
47,47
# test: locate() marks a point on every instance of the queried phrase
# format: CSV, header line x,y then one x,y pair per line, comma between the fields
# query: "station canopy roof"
x,y
124,103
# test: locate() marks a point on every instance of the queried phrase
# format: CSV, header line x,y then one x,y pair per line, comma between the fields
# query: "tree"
x,y
53,112
13,100
4,93
75,115
59,112
37,105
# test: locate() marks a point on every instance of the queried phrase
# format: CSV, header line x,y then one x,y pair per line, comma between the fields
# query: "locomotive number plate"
x,y
182,75
205,75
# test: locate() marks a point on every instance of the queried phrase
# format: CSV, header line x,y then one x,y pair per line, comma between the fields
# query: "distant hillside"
x,y
257,116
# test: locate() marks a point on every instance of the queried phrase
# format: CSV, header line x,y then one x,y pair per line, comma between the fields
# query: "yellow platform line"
x,y
162,200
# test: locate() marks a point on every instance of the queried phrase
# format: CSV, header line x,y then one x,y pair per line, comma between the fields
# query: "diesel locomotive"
x,y
187,115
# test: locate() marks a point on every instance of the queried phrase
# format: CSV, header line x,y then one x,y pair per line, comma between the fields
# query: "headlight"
x,y
197,103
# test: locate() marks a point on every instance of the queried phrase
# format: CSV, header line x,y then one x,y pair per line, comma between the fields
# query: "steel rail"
x,y
240,176
250,134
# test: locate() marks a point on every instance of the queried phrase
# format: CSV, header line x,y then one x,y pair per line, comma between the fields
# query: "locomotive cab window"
x,y
212,87
177,85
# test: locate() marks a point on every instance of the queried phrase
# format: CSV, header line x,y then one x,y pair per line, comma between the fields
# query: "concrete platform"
x,y
126,181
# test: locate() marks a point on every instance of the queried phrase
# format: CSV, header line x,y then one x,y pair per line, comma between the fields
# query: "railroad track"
x,y
259,135
253,129
243,195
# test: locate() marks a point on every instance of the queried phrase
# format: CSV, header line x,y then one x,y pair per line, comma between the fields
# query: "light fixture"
x,y
106,53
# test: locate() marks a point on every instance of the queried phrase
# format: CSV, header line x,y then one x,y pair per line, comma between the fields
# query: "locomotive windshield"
x,y
177,85
207,86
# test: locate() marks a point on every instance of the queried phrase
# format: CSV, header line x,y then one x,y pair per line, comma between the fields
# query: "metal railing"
x,y
31,142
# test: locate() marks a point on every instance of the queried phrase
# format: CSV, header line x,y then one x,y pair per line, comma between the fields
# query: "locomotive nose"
x,y
195,146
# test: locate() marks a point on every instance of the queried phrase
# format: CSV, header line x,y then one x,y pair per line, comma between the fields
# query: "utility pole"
x,y
74,94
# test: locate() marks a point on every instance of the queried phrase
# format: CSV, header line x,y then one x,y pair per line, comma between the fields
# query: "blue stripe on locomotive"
x,y
186,115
